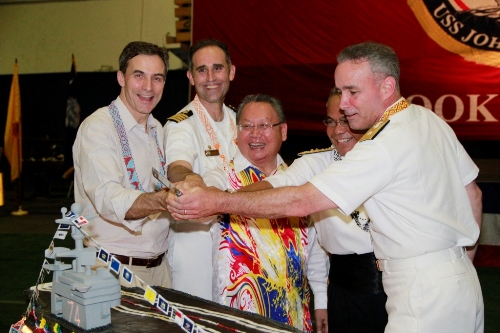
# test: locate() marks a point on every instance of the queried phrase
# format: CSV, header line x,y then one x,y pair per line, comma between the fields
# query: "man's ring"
x,y
184,212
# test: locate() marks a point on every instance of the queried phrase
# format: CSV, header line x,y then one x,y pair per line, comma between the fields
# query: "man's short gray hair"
x,y
262,98
382,58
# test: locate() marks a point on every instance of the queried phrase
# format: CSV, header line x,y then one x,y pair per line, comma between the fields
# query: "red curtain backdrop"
x,y
288,49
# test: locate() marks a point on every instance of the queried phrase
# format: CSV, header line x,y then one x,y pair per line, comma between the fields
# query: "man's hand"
x,y
192,180
185,186
321,317
181,174
195,201
476,200
147,204
181,170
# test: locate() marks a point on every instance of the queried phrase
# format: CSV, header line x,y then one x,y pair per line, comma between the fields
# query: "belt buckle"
x,y
150,260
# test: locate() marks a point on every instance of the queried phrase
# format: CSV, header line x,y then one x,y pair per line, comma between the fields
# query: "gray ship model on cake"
x,y
80,295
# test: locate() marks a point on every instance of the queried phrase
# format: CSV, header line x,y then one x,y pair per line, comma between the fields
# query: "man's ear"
x,y
120,78
388,87
232,72
284,128
190,77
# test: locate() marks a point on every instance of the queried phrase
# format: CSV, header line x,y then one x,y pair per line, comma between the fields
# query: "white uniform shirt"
x,y
411,178
102,183
188,140
190,242
337,233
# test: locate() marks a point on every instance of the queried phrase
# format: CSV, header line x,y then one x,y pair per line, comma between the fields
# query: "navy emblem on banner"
x,y
470,28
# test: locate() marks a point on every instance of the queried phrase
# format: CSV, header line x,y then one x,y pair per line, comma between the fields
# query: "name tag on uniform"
x,y
212,152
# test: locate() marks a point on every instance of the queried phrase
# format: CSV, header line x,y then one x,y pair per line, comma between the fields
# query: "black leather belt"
x,y
149,263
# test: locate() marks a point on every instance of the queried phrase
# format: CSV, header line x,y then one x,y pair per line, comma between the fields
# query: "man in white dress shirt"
x,y
113,153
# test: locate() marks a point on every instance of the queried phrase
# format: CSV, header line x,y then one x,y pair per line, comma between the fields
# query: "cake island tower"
x,y
80,295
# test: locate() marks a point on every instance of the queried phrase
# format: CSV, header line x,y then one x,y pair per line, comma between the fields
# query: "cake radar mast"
x,y
80,295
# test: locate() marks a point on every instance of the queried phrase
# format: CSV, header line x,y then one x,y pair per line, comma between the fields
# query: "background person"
x,y
415,180
197,139
114,151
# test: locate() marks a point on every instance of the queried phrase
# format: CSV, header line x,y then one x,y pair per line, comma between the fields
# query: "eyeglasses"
x,y
332,123
260,127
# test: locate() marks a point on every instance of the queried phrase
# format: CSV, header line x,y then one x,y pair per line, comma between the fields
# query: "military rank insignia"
x,y
374,130
180,116
313,151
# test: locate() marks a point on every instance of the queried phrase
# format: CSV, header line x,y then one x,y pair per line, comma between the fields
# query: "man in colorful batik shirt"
x,y
260,264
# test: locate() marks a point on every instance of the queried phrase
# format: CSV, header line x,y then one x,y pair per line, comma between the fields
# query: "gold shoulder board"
x,y
374,130
180,116
232,107
317,150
